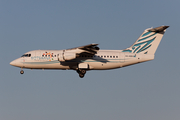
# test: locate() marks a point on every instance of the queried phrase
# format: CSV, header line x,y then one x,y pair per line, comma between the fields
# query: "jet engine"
x,y
67,56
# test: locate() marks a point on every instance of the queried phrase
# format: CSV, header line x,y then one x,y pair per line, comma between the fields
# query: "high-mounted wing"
x,y
89,49
70,54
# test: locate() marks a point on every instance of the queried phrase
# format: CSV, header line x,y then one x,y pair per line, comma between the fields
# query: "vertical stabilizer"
x,y
148,42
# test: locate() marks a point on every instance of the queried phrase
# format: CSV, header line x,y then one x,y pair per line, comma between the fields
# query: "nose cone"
x,y
16,63
13,63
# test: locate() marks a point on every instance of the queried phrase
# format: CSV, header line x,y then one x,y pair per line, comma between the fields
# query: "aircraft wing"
x,y
86,49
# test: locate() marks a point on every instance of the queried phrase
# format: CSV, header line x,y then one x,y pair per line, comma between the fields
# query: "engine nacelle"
x,y
67,56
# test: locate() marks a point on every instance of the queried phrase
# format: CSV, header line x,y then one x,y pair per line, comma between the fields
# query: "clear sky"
x,y
146,91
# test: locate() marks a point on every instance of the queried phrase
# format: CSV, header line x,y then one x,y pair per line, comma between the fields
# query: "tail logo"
x,y
142,44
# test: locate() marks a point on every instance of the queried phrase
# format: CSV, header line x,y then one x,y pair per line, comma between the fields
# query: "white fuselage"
x,y
90,57
103,60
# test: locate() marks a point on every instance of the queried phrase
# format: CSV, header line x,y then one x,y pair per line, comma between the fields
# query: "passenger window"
x,y
101,56
104,56
113,56
116,56
42,55
110,56
48,55
54,55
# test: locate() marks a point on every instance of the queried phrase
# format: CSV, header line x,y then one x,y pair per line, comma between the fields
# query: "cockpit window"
x,y
26,55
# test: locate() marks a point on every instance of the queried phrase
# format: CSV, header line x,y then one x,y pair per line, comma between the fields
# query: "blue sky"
x,y
144,91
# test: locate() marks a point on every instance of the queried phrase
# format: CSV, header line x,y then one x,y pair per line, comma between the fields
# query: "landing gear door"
x,y
83,66
121,57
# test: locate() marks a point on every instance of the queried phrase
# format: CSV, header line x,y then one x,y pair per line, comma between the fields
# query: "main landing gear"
x,y
81,72
21,72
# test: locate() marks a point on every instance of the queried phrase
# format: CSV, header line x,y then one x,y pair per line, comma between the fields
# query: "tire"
x,y
81,75
83,71
21,72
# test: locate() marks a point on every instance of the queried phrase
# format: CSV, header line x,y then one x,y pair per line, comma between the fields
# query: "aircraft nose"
x,y
13,63
16,63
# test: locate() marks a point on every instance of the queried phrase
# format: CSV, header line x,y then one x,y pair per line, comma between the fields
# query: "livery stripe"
x,y
146,34
147,37
56,61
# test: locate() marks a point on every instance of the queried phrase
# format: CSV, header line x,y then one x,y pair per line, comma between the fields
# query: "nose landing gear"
x,y
21,72
81,72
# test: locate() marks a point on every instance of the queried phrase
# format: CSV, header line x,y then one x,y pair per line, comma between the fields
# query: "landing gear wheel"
x,y
83,71
81,75
21,72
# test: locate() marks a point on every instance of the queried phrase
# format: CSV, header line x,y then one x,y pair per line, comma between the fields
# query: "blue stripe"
x,y
127,51
145,48
136,49
145,34
147,43
147,37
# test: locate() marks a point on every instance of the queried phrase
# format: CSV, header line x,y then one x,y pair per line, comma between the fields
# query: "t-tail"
x,y
148,42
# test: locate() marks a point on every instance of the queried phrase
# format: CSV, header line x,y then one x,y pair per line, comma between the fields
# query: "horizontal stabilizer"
x,y
158,29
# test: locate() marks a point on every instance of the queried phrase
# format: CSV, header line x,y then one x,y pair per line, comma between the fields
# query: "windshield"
x,y
26,55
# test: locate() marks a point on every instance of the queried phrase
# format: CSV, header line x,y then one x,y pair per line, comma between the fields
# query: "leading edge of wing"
x,y
89,46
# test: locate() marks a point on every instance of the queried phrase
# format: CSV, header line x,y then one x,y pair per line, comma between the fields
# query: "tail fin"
x,y
148,42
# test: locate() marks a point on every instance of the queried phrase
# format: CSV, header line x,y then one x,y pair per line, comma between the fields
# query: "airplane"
x,y
90,57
